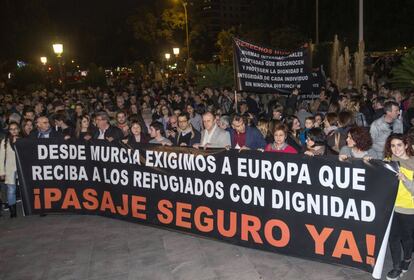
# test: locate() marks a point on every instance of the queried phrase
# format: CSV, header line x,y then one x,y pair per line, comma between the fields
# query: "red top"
x,y
288,149
240,138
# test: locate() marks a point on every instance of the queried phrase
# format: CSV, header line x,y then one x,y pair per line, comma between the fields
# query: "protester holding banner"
x,y
156,133
398,148
279,145
186,135
105,130
136,135
359,143
8,165
244,136
213,136
84,129
43,129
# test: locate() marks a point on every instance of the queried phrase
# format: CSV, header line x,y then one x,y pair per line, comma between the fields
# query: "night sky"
x,y
98,30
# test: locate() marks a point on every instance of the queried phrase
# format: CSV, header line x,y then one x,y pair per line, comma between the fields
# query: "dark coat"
x,y
254,138
113,131
53,134
187,138
144,138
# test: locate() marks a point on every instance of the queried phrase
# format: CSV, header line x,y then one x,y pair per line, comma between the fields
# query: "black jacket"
x,y
113,131
52,134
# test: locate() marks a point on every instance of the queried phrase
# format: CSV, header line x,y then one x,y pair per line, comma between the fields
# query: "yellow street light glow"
x,y
176,51
167,56
58,49
43,60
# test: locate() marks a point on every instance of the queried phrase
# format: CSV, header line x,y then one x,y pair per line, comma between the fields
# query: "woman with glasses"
x,y
8,165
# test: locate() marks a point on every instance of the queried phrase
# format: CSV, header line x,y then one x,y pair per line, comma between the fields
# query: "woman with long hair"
x,y
165,116
26,127
337,140
136,133
84,128
8,165
263,127
293,125
398,148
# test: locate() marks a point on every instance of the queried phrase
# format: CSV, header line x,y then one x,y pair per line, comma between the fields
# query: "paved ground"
x,y
91,247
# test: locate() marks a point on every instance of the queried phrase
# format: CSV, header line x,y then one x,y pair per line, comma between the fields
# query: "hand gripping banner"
x,y
311,207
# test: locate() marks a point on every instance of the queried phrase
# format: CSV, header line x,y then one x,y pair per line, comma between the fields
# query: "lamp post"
x,y
317,23
167,57
186,28
361,21
58,50
176,51
184,3
43,60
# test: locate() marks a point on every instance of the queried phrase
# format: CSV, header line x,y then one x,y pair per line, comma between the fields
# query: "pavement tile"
x,y
61,247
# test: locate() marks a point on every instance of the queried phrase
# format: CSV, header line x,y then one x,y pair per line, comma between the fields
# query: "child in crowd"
x,y
309,123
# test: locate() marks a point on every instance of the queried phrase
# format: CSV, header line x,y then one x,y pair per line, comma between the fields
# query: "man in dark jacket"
x,y
105,130
185,135
44,130
245,137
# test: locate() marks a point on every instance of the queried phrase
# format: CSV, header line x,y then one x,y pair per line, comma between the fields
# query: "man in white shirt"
x,y
213,136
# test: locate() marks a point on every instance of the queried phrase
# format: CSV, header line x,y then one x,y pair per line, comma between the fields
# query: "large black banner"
x,y
312,207
266,70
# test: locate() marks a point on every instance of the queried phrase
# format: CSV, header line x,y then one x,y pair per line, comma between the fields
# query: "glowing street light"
x,y
43,60
167,56
176,51
58,49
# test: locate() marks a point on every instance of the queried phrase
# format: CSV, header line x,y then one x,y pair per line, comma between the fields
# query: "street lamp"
x,y
167,56
58,49
176,51
184,3
317,23
43,60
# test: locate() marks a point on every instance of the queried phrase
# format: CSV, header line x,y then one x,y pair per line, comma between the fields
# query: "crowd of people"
x,y
347,123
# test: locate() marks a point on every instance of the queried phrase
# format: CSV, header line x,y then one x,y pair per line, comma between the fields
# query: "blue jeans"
x,y
11,194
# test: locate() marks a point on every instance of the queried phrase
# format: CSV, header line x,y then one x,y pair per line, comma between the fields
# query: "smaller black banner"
x,y
266,70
